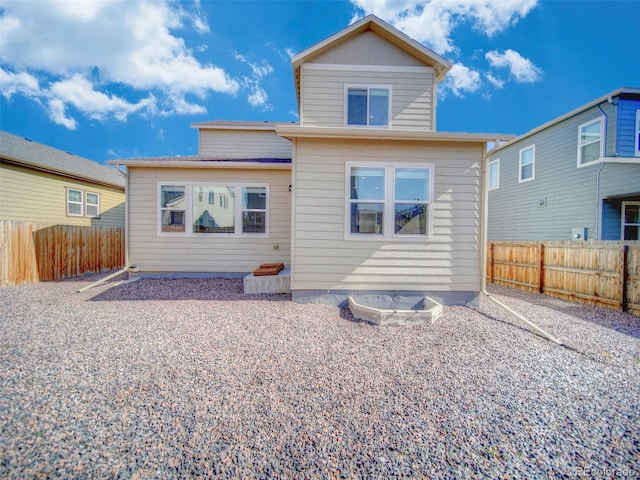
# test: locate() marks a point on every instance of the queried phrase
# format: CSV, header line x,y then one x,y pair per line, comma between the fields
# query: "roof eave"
x,y
62,173
290,131
200,164
572,113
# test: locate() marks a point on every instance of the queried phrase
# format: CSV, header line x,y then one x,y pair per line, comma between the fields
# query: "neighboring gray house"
x,y
576,177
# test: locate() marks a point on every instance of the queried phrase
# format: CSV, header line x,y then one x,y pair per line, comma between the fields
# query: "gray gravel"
x,y
182,378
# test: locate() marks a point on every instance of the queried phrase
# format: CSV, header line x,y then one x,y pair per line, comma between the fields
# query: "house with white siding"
x,y
576,177
362,195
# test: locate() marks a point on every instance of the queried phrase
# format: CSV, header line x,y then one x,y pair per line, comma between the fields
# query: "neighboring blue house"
x,y
576,177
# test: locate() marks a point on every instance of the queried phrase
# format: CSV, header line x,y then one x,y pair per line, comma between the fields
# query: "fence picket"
x,y
598,273
33,252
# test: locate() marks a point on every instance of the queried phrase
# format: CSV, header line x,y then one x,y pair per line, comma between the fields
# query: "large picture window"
x,y
388,201
367,106
527,164
213,209
589,142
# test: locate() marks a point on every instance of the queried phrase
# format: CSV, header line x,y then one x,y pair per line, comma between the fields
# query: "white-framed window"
x,y
385,201
630,221
494,174
367,105
82,204
75,203
92,204
590,136
637,151
213,208
527,168
172,208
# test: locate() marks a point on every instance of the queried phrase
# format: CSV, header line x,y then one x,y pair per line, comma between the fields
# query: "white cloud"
x,y
130,44
23,82
521,69
460,80
257,97
79,92
432,21
57,113
495,81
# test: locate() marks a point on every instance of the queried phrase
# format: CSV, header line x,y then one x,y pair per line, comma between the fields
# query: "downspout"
x,y
126,237
484,215
604,149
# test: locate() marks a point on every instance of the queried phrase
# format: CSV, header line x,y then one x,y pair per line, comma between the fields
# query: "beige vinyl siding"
x,y
324,260
323,92
367,48
28,195
243,144
202,252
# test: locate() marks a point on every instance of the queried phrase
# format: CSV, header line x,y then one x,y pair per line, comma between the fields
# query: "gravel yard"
x,y
181,378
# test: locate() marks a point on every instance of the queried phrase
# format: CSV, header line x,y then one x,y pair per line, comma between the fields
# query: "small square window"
x,y
367,106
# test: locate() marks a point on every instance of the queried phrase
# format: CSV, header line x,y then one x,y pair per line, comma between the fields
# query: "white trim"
x,y
86,204
367,68
299,131
200,164
238,210
580,145
388,202
622,217
81,202
489,187
637,134
348,86
533,164
629,160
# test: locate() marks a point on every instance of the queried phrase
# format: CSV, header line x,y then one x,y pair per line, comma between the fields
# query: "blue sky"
x,y
119,78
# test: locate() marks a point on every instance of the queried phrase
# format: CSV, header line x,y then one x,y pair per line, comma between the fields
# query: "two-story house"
x,y
362,195
575,177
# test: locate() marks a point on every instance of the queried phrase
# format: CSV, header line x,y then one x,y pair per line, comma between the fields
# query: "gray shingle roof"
x,y
29,153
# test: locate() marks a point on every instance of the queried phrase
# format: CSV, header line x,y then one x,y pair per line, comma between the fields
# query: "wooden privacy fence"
x,y
32,252
599,273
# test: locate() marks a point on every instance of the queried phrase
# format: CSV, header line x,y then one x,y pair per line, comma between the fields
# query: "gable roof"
x,y
384,30
22,151
572,113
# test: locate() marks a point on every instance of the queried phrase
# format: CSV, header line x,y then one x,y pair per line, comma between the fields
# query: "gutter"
x,y
126,238
484,215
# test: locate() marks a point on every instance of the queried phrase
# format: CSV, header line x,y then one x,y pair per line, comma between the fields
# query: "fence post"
x,y
491,262
541,268
623,278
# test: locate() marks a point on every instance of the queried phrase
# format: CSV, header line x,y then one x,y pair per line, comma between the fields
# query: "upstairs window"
x,y
367,106
494,174
527,163
590,142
